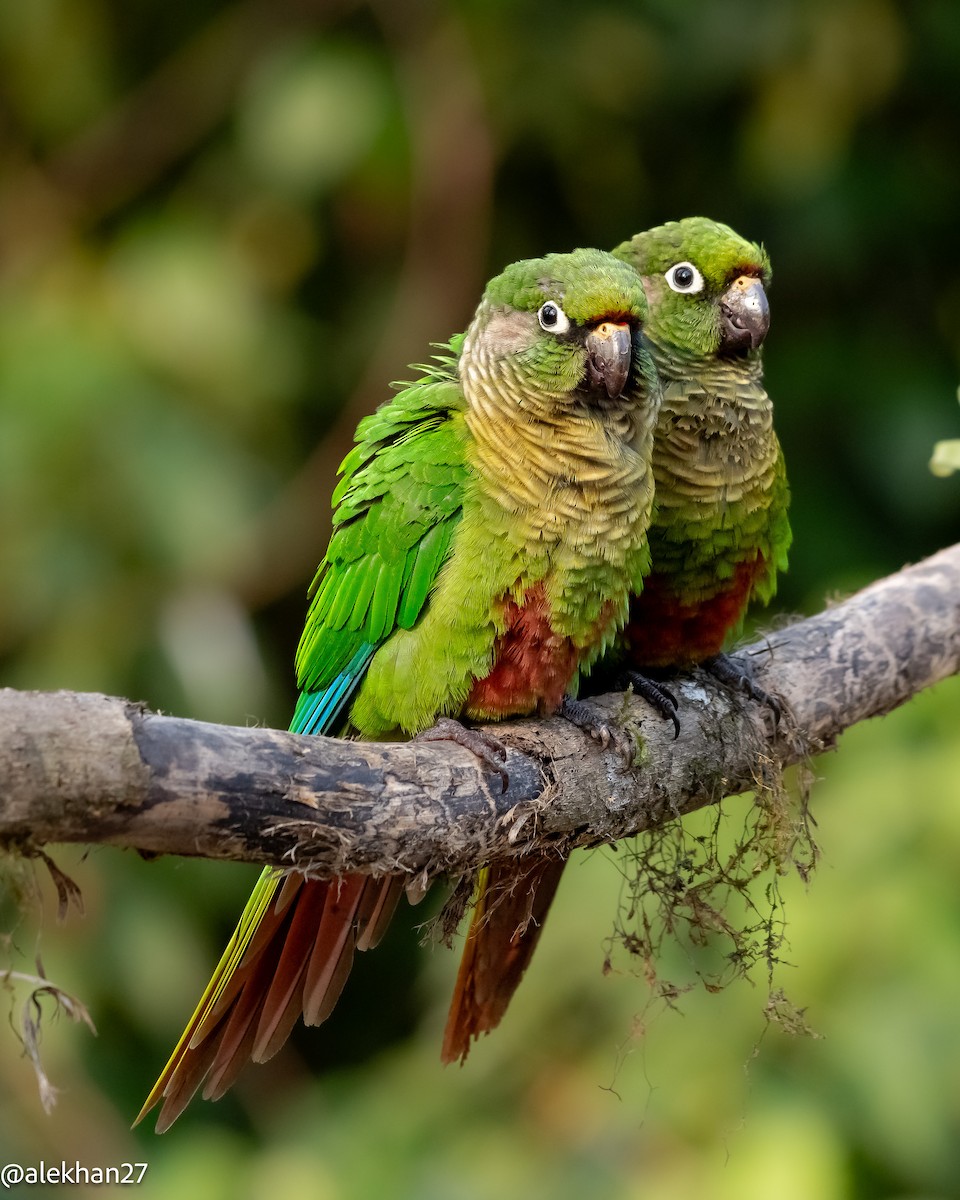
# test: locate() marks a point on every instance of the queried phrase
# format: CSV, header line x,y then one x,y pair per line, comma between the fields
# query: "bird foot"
x,y
592,722
488,749
738,674
658,697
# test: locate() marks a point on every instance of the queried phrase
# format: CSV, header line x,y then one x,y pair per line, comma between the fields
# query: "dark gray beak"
x,y
744,314
609,355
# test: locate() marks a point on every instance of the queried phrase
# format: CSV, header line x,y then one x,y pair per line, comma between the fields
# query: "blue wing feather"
x,y
317,712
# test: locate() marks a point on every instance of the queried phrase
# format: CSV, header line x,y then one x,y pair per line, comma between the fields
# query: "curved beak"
x,y
744,314
609,355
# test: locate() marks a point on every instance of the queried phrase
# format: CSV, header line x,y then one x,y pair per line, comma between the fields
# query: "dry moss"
x,y
702,902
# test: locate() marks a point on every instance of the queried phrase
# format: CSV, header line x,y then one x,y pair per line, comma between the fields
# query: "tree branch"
x,y
88,768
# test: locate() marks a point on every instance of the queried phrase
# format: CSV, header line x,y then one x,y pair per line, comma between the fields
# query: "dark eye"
x,y
684,277
552,318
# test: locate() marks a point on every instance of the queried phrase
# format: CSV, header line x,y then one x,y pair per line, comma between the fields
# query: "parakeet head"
x,y
562,330
705,286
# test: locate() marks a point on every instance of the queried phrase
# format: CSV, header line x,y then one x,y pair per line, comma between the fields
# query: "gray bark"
x,y
89,768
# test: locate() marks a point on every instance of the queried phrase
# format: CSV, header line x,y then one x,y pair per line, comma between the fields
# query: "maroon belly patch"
x,y
662,631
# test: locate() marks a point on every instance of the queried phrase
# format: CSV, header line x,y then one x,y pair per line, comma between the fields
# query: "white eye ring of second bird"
x,y
684,277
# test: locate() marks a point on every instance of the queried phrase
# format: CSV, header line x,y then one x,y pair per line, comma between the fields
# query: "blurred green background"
x,y
224,227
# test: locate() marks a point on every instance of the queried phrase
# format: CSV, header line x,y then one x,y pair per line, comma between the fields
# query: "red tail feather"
x,y
297,961
503,935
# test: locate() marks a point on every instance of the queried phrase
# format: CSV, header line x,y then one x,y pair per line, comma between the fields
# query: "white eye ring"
x,y
684,277
552,318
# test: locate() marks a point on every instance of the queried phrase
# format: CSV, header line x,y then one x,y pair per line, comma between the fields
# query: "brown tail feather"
x,y
508,915
373,922
296,961
293,881
234,1045
286,981
333,948
183,1084
230,1061
218,1050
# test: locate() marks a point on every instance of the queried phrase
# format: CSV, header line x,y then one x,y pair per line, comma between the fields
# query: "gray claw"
x,y
590,720
658,697
483,745
735,674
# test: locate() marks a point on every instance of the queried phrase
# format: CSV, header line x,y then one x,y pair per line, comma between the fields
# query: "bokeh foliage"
x,y
224,227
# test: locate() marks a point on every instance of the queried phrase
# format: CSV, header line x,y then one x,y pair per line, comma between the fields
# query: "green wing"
x,y
395,511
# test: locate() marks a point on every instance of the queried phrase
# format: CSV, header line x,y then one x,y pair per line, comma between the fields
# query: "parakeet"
x,y
718,536
489,528
721,533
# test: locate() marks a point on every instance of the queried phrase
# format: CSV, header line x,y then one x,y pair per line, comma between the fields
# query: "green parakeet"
x,y
720,534
489,528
